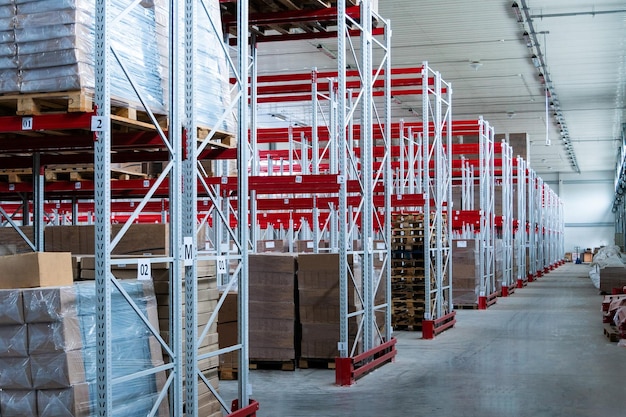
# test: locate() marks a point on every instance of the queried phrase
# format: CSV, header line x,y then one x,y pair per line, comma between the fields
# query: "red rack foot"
x,y
431,328
249,411
482,302
348,370
520,283
505,291
531,277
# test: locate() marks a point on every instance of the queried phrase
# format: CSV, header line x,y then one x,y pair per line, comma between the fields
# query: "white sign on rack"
x,y
144,270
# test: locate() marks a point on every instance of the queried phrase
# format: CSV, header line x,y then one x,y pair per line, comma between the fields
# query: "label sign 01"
x,y
27,123
222,265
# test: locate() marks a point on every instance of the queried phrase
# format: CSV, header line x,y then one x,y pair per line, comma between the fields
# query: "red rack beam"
x,y
248,411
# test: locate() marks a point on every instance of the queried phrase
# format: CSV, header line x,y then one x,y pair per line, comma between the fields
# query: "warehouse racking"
x,y
223,198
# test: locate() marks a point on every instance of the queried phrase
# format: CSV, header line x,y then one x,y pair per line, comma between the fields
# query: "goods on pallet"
x,y
465,272
318,298
51,368
272,307
408,284
608,268
228,335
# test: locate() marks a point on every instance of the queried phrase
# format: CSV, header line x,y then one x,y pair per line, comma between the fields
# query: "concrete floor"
x,y
540,352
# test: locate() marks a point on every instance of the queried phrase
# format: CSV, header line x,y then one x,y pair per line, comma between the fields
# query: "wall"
x,y
587,200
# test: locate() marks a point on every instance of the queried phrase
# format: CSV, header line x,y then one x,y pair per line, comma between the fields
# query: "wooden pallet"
x,y
31,104
227,374
16,175
281,365
65,173
219,139
611,333
306,363
469,306
407,327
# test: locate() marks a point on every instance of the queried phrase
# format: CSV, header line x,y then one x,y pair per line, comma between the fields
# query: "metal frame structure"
x,y
181,171
437,188
532,224
369,335
506,183
521,233
487,285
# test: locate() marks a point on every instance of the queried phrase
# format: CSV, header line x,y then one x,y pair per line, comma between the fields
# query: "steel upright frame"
x,y
106,283
540,220
182,172
507,219
437,188
487,218
532,224
521,234
369,335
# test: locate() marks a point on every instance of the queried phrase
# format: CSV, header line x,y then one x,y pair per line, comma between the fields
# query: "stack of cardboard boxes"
x,y
272,307
48,360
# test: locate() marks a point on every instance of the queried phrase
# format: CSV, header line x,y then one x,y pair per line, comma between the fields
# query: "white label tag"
x,y
188,251
309,245
221,264
269,245
461,244
99,124
27,123
342,346
144,271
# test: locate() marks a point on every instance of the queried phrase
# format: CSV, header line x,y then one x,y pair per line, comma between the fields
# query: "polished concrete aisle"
x,y
538,353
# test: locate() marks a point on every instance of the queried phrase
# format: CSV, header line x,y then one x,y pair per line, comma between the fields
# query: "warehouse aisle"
x,y
540,352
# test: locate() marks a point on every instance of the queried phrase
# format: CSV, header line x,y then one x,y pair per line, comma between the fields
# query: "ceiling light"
x,y
279,116
536,61
475,65
518,12
323,49
527,39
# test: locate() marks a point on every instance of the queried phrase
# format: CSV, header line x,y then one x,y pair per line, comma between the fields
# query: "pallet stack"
x,y
407,271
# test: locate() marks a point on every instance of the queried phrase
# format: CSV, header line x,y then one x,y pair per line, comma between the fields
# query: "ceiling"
x,y
580,44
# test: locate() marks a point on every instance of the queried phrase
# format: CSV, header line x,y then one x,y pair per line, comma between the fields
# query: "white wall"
x,y
587,200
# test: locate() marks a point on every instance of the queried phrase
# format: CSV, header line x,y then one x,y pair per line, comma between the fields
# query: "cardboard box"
x,y
59,402
45,305
58,336
36,269
13,341
57,370
15,374
11,242
228,312
11,307
270,246
612,277
21,403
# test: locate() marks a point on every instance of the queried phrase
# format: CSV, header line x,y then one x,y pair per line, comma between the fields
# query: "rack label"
x,y
99,124
144,271
221,263
188,251
27,123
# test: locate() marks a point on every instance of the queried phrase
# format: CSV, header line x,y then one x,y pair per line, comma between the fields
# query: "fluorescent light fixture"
x,y
279,116
518,12
536,61
323,49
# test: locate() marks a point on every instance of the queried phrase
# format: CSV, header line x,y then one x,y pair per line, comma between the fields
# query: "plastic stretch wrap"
x,y
46,305
8,50
212,74
13,341
134,348
60,336
6,36
620,318
608,256
57,369
594,275
15,373
67,402
18,403
6,11
11,307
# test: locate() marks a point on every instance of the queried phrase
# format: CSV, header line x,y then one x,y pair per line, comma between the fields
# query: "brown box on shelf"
x,y
612,277
36,269
58,336
465,264
13,341
270,246
11,307
58,402
272,307
22,403
15,373
587,257
11,242
45,305
57,370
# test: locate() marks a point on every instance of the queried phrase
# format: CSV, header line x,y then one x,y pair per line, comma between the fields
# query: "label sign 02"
x,y
99,124
144,271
